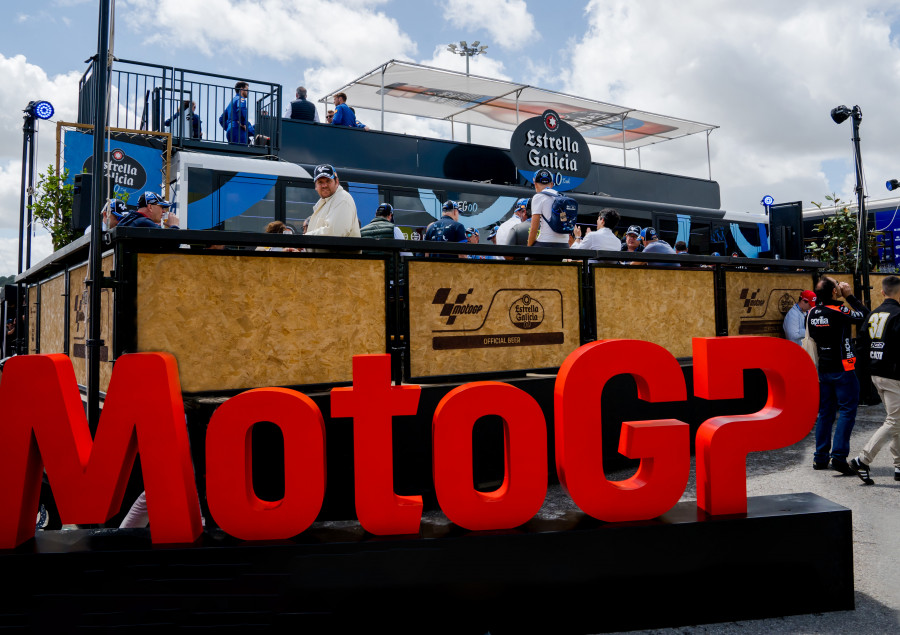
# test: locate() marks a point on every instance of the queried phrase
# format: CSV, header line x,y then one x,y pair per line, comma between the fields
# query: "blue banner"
x,y
133,166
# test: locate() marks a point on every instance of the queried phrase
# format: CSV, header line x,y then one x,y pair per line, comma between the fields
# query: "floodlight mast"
x,y
839,115
467,51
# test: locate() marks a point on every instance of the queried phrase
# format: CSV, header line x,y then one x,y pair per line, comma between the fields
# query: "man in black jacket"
x,y
830,325
880,340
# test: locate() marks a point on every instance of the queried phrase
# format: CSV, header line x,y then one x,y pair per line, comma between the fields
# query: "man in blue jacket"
x,y
343,116
238,128
149,213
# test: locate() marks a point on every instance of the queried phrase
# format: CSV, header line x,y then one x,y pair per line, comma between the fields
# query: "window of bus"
x,y
482,211
255,197
667,228
299,201
699,243
414,210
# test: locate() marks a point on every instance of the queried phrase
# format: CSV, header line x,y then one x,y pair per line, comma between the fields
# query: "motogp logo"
x,y
551,121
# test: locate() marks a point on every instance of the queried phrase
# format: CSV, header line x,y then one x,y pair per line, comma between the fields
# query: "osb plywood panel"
x,y
757,301
79,311
467,317
236,322
53,314
32,319
664,306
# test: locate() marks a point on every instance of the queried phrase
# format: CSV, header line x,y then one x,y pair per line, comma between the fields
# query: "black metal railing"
x,y
186,103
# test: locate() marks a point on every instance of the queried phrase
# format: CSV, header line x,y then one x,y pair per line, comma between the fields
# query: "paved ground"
x,y
876,534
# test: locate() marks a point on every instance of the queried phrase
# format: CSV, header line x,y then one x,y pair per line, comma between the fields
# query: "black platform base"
x,y
788,555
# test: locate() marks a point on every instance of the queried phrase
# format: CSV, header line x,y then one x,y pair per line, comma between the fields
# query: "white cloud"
x,y
25,82
332,33
507,21
768,73
41,247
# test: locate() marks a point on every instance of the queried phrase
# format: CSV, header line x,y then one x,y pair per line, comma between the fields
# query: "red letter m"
x,y
45,426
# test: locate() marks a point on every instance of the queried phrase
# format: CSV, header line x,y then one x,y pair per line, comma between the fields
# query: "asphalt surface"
x,y
876,534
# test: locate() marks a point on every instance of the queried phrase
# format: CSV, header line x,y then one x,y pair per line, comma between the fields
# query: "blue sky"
x,y
766,72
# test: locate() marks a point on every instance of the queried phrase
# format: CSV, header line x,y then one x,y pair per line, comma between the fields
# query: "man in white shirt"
x,y
603,239
335,213
541,234
505,231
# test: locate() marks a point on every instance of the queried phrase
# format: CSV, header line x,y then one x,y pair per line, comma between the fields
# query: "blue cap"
x,y
116,207
152,198
543,176
324,170
471,231
493,232
634,229
522,202
385,207
648,233
449,205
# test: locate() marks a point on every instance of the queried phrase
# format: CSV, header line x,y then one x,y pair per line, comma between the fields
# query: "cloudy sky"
x,y
766,72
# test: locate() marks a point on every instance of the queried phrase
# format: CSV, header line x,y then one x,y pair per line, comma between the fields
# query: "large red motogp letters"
x,y
45,426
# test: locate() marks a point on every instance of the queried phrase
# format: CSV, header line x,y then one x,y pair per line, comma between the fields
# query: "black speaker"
x,y
786,230
81,204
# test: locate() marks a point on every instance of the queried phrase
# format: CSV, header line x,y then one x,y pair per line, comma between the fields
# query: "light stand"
x,y
468,51
839,115
33,111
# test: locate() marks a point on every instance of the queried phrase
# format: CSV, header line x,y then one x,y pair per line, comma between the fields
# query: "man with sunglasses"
x,y
152,210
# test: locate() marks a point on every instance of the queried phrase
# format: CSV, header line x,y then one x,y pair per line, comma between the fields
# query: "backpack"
x,y
223,118
563,213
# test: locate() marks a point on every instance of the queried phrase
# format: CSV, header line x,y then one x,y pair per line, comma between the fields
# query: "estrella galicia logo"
x,y
457,307
750,299
785,302
551,120
124,171
526,313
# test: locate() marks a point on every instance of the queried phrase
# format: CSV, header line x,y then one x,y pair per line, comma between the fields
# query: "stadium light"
x,y
464,50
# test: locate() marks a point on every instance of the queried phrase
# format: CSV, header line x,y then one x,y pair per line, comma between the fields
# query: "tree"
x,y
836,244
52,206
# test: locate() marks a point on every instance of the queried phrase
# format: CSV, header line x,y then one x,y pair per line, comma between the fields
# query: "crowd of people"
x,y
822,321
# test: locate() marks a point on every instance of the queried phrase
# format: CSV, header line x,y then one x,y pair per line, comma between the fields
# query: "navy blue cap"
x,y
543,176
634,229
324,170
385,207
449,205
648,234
493,232
116,207
471,231
152,198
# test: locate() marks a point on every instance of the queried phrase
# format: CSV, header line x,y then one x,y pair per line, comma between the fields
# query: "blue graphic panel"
x,y
750,251
235,197
684,229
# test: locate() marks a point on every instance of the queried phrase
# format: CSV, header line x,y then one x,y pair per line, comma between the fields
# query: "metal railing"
x,y
186,103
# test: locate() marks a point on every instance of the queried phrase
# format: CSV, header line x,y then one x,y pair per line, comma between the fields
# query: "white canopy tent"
x,y
423,91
